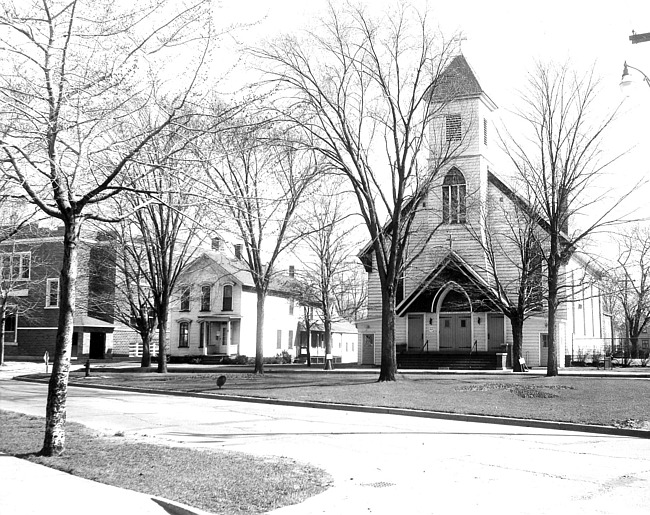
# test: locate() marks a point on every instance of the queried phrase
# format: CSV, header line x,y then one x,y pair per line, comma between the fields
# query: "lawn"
x,y
621,402
222,482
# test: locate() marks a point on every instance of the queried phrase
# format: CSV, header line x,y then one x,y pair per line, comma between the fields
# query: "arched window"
x,y
227,297
454,192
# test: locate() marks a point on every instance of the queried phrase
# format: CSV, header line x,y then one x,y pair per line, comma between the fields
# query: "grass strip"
x,y
607,401
221,482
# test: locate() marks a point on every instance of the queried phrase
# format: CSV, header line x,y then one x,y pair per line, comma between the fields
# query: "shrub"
x,y
596,356
239,359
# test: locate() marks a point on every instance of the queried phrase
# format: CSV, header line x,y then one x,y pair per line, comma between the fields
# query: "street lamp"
x,y
627,82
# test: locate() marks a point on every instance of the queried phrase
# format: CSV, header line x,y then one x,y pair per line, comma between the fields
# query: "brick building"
x,y
31,264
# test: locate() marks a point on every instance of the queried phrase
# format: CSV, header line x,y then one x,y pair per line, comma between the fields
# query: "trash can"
x,y
607,363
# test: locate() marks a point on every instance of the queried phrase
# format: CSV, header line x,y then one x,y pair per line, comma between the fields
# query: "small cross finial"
x,y
450,240
460,43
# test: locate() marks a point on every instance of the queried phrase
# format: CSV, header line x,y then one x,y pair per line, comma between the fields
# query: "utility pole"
x,y
639,38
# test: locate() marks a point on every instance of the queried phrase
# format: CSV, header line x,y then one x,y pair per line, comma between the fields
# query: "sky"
x,y
503,40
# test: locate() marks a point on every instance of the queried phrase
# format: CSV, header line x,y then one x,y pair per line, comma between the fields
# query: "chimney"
x,y
238,251
292,271
217,244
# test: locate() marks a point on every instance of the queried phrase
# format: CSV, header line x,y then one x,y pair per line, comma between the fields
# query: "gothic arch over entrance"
x,y
454,309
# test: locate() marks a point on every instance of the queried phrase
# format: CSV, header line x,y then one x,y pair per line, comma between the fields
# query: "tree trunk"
x,y
308,328
327,324
162,341
634,351
551,365
388,357
145,362
259,333
55,412
517,324
3,314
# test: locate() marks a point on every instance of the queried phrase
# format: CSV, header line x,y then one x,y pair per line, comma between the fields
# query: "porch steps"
x,y
448,361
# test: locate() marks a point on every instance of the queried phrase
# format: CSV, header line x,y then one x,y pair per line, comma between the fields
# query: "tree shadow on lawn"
x,y
236,387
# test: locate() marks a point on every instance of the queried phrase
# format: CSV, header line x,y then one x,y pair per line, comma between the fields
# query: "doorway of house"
x,y
75,345
368,349
415,333
97,345
543,349
495,332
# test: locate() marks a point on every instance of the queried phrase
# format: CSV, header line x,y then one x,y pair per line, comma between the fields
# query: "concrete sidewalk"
x,y
27,488
31,489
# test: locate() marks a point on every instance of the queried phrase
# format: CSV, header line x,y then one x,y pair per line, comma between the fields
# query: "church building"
x,y
449,312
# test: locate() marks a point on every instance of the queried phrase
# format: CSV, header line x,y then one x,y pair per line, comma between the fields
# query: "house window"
x,y
291,306
52,293
291,339
485,127
16,266
645,344
279,339
10,328
352,345
453,198
227,297
205,298
185,298
184,334
453,127
544,339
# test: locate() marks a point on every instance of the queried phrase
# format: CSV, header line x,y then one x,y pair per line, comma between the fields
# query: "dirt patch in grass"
x,y
217,481
525,391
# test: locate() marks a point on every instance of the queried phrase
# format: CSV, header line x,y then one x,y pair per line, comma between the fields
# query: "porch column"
x,y
229,341
206,337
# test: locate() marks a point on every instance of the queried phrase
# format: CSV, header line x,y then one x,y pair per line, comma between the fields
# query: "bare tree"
x,y
511,237
352,296
127,299
260,177
326,263
76,75
558,158
629,283
361,88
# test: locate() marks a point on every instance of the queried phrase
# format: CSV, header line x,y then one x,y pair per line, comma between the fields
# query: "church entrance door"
x,y
455,332
416,332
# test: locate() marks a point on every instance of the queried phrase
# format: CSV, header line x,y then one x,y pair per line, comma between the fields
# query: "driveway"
x,y
386,464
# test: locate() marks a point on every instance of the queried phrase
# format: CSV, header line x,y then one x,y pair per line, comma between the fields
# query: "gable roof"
x,y
237,271
452,260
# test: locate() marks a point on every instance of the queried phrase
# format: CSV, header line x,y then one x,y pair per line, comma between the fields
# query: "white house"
x,y
214,313
447,303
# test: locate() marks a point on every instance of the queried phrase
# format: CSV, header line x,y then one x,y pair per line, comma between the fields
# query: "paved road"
x,y
387,464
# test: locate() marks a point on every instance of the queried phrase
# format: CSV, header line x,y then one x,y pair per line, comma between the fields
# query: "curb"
x,y
483,419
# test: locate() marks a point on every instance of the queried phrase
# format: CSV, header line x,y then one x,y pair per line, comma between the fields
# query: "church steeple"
x,y
458,81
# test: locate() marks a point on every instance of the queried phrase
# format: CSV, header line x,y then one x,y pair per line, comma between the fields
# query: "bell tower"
x,y
461,140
